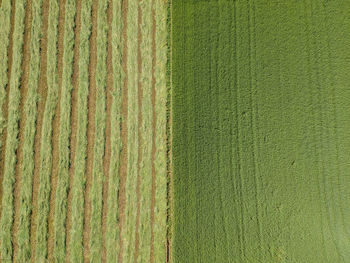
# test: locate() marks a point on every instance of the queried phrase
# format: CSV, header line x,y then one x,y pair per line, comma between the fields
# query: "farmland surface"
x,y
261,106
83,125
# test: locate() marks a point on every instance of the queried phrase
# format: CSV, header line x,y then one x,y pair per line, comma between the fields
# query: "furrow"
x,y
11,145
27,137
75,237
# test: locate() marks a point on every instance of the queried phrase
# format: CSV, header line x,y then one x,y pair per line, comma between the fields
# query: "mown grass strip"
x,y
99,144
112,227
145,128
75,245
30,111
160,209
5,22
12,133
64,133
128,231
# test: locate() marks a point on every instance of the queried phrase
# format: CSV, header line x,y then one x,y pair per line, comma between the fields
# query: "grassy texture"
x,y
260,133
5,21
128,231
160,163
30,110
99,144
46,133
12,133
76,238
145,132
112,234
64,133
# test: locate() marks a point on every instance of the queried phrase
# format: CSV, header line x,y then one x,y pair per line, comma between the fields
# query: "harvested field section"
x,y
260,152
83,171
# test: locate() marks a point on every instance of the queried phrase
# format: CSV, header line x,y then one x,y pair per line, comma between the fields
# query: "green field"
x,y
261,121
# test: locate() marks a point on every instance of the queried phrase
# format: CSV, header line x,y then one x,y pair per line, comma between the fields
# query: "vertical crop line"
x,y
7,20
139,132
7,210
112,244
47,92
74,238
91,130
108,146
25,166
26,53
100,80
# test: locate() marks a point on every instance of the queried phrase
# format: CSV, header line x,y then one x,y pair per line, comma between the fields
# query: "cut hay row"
x,y
95,242
5,22
30,112
75,245
145,134
7,208
40,198
112,227
128,230
160,208
64,134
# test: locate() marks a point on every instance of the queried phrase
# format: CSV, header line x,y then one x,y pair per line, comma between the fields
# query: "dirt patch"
x,y
124,131
140,95
24,90
154,127
107,154
91,130
4,107
74,120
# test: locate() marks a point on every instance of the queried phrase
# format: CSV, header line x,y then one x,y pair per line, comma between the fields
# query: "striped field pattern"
x,y
83,128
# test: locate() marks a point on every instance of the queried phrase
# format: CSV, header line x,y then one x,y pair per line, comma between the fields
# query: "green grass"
x,y
99,144
76,238
64,134
30,110
259,126
112,234
7,208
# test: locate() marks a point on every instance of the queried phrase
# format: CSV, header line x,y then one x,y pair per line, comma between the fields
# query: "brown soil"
x,y
124,132
91,130
107,154
140,95
74,120
24,90
4,107
154,124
